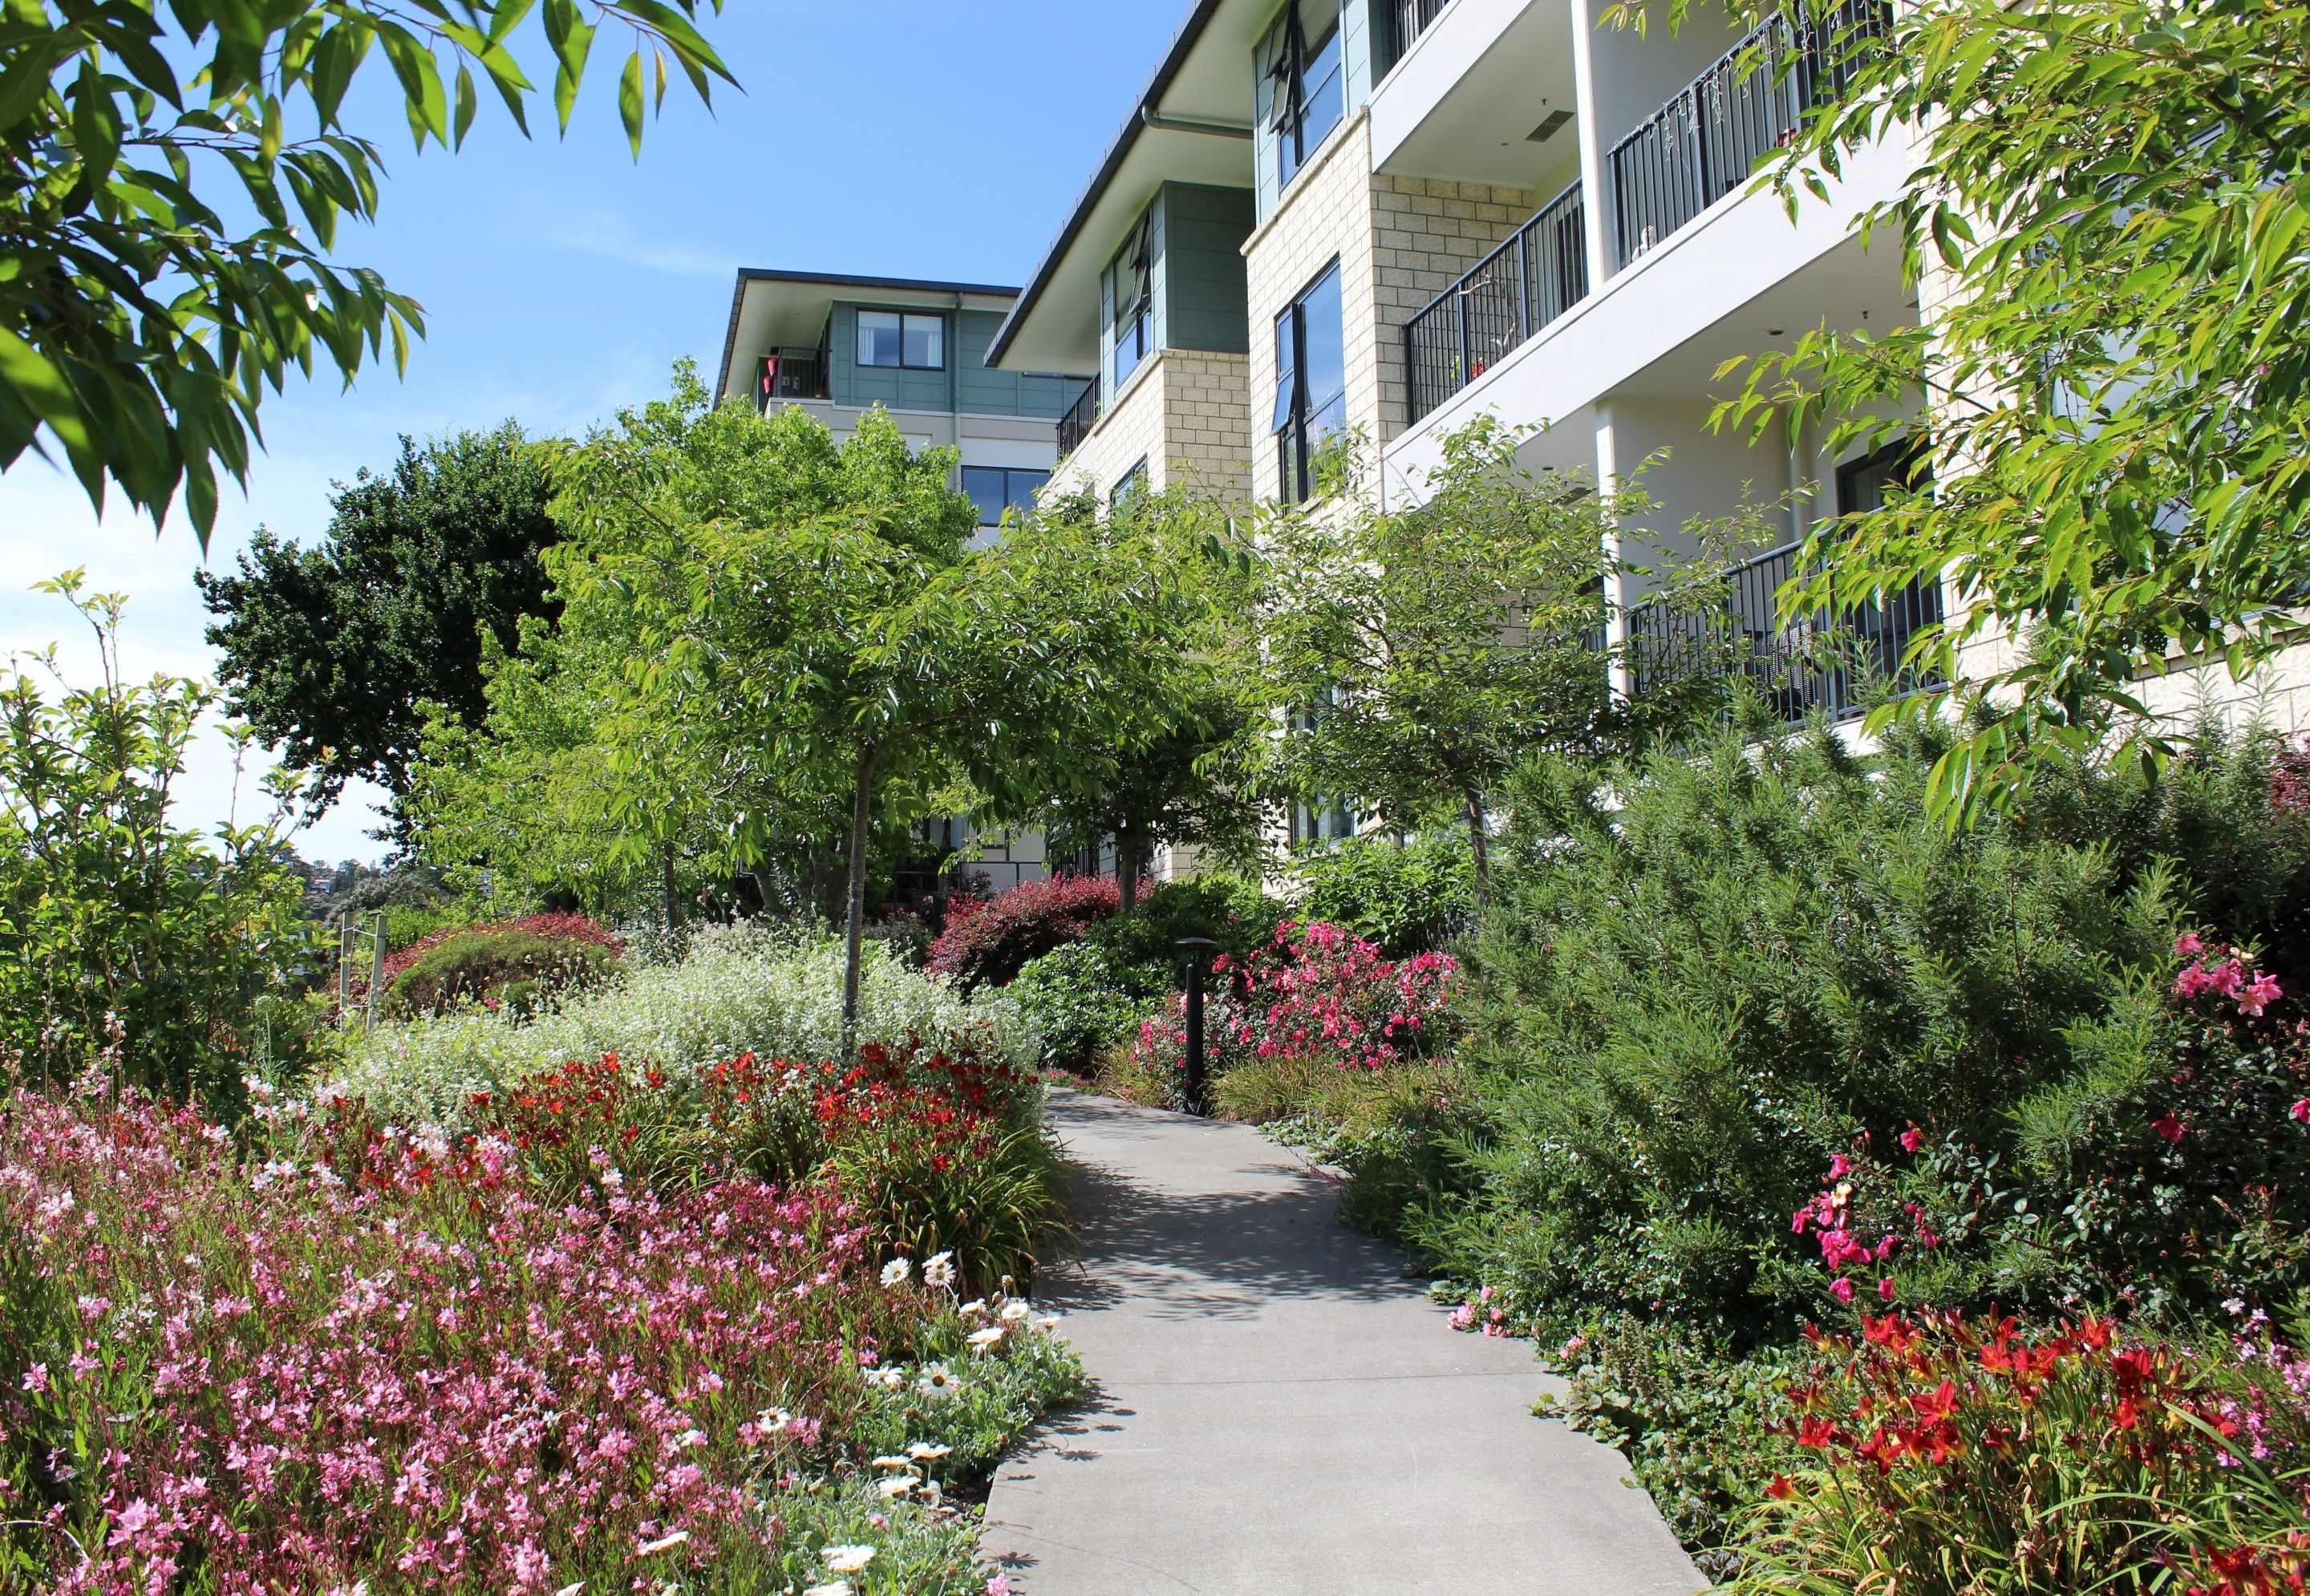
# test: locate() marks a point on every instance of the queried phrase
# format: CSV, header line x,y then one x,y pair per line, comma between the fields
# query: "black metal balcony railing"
x,y
1705,141
1080,418
1798,665
790,374
1513,293
1412,19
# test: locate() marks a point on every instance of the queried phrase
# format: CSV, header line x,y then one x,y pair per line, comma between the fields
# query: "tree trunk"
x,y
1479,844
673,902
1126,870
862,814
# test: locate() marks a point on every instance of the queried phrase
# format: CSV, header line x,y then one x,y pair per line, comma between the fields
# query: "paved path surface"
x,y
1280,1411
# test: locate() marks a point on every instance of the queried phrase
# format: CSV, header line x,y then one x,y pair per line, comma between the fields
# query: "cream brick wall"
x,y
1400,242
1184,411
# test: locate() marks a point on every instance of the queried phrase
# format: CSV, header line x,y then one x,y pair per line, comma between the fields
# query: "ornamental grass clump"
x,y
351,1354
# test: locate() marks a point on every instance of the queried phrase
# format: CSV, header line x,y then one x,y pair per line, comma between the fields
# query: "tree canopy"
x,y
140,322
341,653
2107,204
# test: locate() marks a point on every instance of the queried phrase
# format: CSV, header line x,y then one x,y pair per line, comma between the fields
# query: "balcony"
x,y
789,374
1080,418
1513,293
1706,141
1798,666
1412,19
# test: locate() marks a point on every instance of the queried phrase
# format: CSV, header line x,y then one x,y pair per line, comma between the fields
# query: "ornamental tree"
x,y
815,611
335,653
140,321
2108,199
1410,658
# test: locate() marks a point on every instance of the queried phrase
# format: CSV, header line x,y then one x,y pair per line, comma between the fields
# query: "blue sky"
x,y
560,278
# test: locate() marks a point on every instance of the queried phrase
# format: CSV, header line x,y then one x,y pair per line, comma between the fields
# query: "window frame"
x,y
1294,408
1137,256
1010,499
1130,483
858,334
1295,96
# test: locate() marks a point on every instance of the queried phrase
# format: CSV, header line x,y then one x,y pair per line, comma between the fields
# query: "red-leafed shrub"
x,y
554,927
1941,1452
987,942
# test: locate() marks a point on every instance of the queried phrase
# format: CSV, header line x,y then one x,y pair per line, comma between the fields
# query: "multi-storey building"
x,y
1422,211
1386,217
837,346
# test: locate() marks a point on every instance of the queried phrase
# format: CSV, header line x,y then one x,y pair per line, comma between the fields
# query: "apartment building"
x,y
1423,209
838,345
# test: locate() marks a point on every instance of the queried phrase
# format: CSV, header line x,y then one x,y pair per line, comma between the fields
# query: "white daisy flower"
x,y
846,1559
833,1587
895,1272
1013,1312
981,1339
939,1270
900,1486
928,1452
663,1543
937,1382
903,1464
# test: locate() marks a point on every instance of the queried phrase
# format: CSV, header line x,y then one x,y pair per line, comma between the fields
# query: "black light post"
x,y
1194,949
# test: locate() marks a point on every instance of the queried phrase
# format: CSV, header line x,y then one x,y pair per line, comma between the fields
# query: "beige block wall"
x,y
1400,242
1184,411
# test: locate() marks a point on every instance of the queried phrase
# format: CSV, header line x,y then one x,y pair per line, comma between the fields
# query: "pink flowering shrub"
x,y
2176,1175
357,1354
1313,992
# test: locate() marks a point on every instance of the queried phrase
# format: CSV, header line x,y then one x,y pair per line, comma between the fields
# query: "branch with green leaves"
x,y
139,328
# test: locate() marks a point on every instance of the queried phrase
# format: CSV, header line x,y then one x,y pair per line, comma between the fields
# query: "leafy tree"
x,y
335,653
2109,198
815,611
1178,778
1414,655
140,325
128,944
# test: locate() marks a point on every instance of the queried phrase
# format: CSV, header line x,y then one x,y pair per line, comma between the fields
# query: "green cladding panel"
x,y
1203,301
965,384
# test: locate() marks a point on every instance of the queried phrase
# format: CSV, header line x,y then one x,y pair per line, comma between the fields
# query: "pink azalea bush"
x,y
1313,992
354,1354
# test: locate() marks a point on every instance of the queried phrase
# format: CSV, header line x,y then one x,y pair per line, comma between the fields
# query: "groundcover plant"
x,y
321,1351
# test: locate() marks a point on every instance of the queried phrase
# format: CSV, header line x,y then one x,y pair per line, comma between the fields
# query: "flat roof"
x,y
774,278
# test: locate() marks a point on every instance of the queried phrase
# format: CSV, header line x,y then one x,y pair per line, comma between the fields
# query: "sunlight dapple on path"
x,y
1280,1410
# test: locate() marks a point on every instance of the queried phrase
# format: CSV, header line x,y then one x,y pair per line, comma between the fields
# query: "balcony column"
x,y
1616,585
1595,181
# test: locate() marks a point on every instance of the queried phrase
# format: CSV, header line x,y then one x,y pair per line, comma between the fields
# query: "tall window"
x,y
996,488
1306,94
902,339
1311,382
1131,290
1129,486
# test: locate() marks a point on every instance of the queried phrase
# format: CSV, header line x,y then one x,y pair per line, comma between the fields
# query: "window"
x,y
1130,292
902,339
1311,382
1330,820
1133,483
996,488
1306,94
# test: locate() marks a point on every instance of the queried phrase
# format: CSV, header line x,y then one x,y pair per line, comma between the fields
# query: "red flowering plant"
x,y
940,1146
987,940
2172,1173
1941,1452
1313,992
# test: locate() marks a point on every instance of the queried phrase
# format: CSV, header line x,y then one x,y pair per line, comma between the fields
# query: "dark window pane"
x,y
880,341
1325,341
989,489
1024,485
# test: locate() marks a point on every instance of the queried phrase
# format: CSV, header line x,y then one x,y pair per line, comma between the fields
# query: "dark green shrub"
x,y
1080,1000
1704,976
514,968
1409,897
1228,910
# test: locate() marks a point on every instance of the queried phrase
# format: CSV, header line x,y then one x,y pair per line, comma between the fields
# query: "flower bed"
x,y
353,1353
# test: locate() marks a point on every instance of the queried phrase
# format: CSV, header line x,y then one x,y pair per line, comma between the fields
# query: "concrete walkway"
x,y
1280,1411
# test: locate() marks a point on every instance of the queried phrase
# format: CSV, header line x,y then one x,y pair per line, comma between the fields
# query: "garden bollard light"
x,y
1194,949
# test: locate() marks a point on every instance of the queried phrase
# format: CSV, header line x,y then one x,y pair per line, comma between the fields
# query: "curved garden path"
x,y
1280,1411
